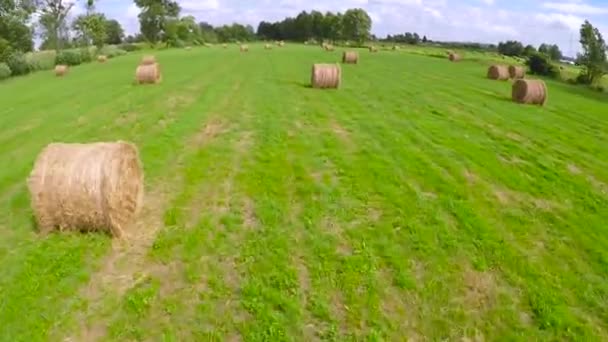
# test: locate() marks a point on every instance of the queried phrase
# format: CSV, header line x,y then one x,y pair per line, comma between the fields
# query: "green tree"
x,y
529,50
332,26
53,21
14,31
114,32
555,53
154,16
511,48
356,25
593,57
90,29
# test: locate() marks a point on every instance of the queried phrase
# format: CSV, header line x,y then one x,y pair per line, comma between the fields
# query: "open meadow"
x,y
416,202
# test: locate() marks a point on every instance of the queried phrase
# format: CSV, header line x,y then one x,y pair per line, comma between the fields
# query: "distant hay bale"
x,y
61,70
87,187
188,48
268,47
530,92
148,74
517,72
395,48
225,46
454,57
326,76
329,47
102,58
148,60
244,48
281,43
498,72
373,49
350,57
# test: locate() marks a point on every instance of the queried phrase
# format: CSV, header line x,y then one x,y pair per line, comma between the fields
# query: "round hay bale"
x,y
329,47
498,72
268,47
395,48
373,49
281,43
530,92
87,187
148,60
350,57
148,74
102,58
188,48
244,48
517,72
454,57
61,70
326,76
225,46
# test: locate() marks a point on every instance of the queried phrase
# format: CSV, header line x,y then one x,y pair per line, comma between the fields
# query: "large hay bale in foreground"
x,y
350,57
148,60
61,70
102,58
87,187
244,48
517,72
454,57
326,76
148,74
498,72
530,92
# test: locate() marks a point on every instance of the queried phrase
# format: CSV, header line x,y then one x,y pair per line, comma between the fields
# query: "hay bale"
x,y
268,47
244,48
329,47
281,43
188,48
350,57
498,72
225,46
61,70
373,49
148,74
517,72
87,187
148,60
530,92
326,76
454,57
102,58
395,48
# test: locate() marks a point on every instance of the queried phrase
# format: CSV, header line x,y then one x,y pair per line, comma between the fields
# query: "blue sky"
x,y
531,21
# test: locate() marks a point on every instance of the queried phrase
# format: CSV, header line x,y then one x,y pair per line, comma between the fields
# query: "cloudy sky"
x,y
530,21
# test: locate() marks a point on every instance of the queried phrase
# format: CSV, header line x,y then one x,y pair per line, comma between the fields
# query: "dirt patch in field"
x,y
512,160
340,131
470,177
182,100
126,119
573,169
480,290
250,220
212,129
596,183
509,197
515,137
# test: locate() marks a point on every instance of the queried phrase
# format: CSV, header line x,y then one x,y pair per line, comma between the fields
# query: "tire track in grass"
x,y
119,270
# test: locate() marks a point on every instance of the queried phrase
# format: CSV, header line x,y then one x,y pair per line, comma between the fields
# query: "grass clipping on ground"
x,y
87,187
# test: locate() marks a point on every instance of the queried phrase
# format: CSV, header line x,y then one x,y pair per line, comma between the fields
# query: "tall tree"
x,y
114,32
90,29
356,25
593,57
511,48
154,15
53,21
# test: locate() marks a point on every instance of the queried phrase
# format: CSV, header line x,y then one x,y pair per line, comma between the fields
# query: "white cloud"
x,y
576,7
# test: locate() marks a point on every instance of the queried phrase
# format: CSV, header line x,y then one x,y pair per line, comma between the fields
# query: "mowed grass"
x,y
415,202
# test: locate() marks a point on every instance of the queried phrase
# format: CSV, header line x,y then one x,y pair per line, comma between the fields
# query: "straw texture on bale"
x,y
61,70
87,187
517,72
454,57
102,58
326,76
244,48
148,74
530,92
148,60
498,72
350,57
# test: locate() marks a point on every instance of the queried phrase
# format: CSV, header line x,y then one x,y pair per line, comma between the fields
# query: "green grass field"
x,y
417,202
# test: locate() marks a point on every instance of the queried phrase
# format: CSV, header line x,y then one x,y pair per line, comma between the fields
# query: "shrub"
x,y
17,63
85,55
43,60
5,49
541,65
5,71
129,47
68,57
583,78
112,51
